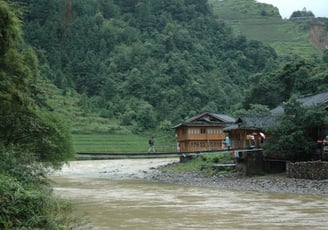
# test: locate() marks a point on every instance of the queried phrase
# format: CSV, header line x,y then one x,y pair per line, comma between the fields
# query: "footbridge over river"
x,y
186,155
250,161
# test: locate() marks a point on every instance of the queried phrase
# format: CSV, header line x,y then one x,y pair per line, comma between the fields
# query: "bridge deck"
x,y
102,156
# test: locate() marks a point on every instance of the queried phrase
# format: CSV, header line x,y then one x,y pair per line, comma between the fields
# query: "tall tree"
x,y
25,123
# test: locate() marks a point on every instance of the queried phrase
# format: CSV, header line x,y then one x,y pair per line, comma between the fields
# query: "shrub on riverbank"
x,y
27,207
26,200
205,164
23,206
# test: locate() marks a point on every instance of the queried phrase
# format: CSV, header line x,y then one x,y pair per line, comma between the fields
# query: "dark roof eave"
x,y
242,128
221,124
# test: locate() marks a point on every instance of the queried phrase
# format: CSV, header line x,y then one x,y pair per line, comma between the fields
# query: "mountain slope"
x,y
263,22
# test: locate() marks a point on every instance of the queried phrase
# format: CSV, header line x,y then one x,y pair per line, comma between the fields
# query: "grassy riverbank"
x,y
206,164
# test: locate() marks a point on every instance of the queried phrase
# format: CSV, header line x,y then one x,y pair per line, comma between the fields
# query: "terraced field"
x,y
263,22
119,143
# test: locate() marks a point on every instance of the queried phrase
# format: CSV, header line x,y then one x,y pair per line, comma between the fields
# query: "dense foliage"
x,y
296,77
25,196
25,122
295,135
144,61
31,137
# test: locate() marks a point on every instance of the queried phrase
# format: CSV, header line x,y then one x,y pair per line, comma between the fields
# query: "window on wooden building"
x,y
193,131
214,131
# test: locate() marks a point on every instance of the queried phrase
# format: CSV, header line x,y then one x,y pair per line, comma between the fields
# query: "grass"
x,y
119,143
198,163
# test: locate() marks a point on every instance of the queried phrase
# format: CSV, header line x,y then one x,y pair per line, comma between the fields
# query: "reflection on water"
x,y
138,204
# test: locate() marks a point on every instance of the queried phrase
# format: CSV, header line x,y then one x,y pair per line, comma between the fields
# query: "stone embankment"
x,y
313,170
277,183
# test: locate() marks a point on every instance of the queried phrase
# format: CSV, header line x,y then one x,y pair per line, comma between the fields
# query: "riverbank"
x,y
275,183
160,170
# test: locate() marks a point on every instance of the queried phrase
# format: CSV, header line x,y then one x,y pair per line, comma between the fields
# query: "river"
x,y
112,194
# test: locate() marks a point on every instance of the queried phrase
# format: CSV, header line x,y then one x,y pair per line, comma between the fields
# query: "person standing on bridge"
x,y
151,143
227,142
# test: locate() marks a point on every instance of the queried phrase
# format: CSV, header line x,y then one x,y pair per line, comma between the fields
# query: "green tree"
x,y
264,89
294,135
254,109
29,134
296,77
22,126
325,56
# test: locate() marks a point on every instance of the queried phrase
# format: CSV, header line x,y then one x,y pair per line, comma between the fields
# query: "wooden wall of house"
x,y
240,138
193,139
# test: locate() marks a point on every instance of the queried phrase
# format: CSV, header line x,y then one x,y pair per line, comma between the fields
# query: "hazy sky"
x,y
287,7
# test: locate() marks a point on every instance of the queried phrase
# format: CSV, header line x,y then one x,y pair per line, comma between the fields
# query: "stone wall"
x,y
314,170
254,163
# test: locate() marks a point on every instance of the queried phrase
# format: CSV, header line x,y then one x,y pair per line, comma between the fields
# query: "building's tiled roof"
x,y
252,122
208,119
317,99
212,117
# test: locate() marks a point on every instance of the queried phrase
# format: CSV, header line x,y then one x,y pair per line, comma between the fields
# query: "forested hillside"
x,y
154,62
144,61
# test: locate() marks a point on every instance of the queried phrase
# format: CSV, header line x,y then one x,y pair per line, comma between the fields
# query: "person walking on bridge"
x,y
151,143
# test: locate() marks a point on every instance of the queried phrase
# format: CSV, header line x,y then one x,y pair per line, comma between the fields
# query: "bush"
x,y
203,164
26,200
21,207
27,207
21,165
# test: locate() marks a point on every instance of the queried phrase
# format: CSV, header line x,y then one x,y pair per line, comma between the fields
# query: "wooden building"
x,y
249,131
203,132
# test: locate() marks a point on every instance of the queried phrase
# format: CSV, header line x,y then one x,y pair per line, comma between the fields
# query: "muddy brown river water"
x,y
112,195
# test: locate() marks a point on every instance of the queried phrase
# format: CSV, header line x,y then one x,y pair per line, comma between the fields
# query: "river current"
x,y
113,195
